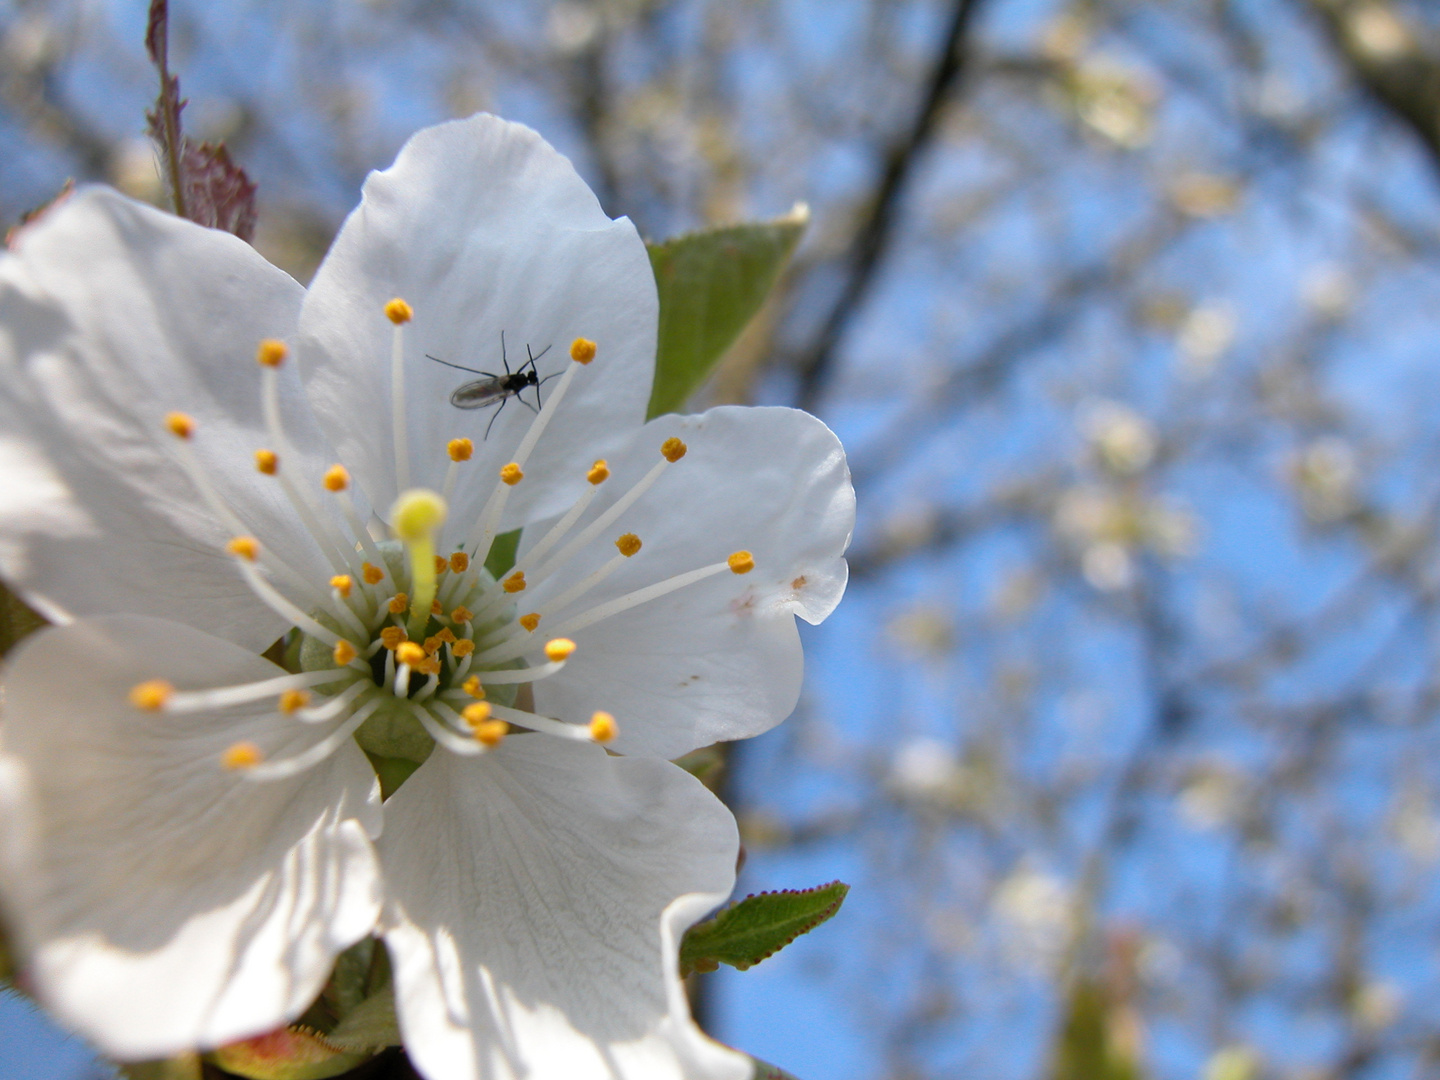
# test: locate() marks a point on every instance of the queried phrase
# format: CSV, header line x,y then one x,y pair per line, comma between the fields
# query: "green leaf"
x,y
502,553
370,1026
184,1067
759,926
711,284
291,1053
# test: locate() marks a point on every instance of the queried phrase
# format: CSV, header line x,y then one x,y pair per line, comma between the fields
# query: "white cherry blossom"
x,y
191,833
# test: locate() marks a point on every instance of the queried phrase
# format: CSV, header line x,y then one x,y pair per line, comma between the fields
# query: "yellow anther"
x,y
271,353
337,478
267,461
463,647
511,474
407,652
582,350
472,687
399,312
461,614
490,732
151,696
243,755
446,635
398,603
602,727
530,621
460,449
628,544
432,644
180,425
294,700
441,565
392,636
435,608
672,449
428,666
459,562
342,583
372,574
599,472
515,582
344,653
244,547
557,649
742,562
417,514
476,713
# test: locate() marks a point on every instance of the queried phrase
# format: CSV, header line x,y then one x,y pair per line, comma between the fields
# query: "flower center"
x,y
409,642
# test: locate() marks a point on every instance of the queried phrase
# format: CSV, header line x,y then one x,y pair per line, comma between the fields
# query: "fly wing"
x,y
478,394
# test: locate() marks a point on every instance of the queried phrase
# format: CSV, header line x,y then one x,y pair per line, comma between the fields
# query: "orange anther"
x,y
582,350
672,449
742,562
267,462
511,474
244,547
459,562
460,449
337,478
372,574
530,621
180,425
399,312
271,353
151,696
628,544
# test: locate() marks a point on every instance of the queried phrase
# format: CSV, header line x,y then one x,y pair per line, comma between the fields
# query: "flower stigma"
x,y
411,642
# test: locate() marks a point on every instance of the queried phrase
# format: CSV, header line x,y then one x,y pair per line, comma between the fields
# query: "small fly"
x,y
492,389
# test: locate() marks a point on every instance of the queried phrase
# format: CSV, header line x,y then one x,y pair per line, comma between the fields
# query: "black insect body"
x,y
497,389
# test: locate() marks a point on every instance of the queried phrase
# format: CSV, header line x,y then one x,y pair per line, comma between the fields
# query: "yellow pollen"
x,y
244,547
463,647
337,478
628,544
372,574
342,583
271,353
432,644
292,700
599,472
267,462
511,474
243,755
435,608
477,713
180,425
417,514
441,565
742,562
557,649
446,635
344,653
490,732
672,449
530,621
460,449
398,603
461,614
392,636
515,582
582,350
407,652
602,727
472,687
459,562
399,312
151,696
428,666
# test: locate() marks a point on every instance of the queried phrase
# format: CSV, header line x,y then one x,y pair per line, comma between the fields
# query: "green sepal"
x,y
711,284
502,554
17,621
765,1071
370,1026
291,1053
759,926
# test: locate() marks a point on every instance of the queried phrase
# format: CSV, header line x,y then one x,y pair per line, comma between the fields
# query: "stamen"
x,y
530,621
491,733
279,770
344,653
267,461
461,615
440,733
742,562
459,562
282,607
409,653
337,704
271,353
225,696
152,695
515,582
559,649
628,544
459,450
546,725
511,474
473,687
398,603
180,425
399,313
603,728
342,584
336,478
463,647
243,755
371,574
392,636
292,701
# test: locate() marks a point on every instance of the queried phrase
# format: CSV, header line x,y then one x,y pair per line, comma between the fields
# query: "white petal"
x,y
482,227
166,903
720,659
113,314
535,896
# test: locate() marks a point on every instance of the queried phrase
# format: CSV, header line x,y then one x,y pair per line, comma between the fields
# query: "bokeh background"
x,y
1128,313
